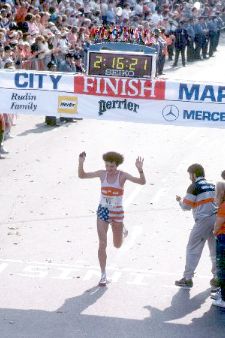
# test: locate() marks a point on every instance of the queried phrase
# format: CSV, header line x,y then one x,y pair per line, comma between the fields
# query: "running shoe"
x,y
214,290
103,280
3,151
8,136
219,302
216,295
184,283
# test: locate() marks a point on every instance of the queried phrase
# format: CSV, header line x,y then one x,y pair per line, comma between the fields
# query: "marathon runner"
x,y
110,209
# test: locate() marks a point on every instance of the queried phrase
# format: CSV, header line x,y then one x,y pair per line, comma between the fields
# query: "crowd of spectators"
x,y
54,34
35,32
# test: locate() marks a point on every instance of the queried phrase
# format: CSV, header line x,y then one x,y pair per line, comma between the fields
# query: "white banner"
x,y
140,100
126,99
37,93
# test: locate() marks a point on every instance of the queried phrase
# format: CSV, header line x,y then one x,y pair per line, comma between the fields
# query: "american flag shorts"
x,y
108,216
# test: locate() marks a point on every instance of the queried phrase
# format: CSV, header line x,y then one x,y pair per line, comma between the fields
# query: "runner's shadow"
x,y
78,304
76,319
66,322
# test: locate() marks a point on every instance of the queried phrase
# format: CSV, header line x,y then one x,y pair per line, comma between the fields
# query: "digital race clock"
x,y
119,64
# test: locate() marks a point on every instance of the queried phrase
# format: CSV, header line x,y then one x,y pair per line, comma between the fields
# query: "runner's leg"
x,y
102,228
117,229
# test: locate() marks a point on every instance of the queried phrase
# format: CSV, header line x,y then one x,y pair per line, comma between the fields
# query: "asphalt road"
x,y
48,248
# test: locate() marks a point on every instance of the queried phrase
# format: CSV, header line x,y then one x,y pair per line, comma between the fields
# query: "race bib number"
x,y
109,201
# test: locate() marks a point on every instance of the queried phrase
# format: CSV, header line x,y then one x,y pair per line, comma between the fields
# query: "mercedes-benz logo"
x,y
170,113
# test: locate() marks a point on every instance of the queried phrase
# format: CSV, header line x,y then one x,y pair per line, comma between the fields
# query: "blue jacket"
x,y
181,38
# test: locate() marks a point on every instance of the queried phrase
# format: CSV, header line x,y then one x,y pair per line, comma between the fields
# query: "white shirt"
x,y
104,8
138,10
155,19
126,13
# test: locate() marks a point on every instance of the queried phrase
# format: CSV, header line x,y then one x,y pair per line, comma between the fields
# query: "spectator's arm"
x,y
189,201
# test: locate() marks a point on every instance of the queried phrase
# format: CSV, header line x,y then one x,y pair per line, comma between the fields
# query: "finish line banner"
x,y
121,99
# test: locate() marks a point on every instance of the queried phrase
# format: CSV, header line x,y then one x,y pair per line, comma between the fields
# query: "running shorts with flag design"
x,y
108,216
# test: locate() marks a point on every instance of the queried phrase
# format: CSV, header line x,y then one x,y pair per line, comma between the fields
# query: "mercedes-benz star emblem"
x,y
170,113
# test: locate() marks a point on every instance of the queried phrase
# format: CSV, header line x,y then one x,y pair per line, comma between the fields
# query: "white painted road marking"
x,y
132,196
84,272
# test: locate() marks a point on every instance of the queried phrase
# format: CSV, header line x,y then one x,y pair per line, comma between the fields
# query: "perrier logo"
x,y
117,104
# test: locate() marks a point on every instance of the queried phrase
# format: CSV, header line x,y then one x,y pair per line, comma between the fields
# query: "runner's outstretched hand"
x,y
82,157
139,163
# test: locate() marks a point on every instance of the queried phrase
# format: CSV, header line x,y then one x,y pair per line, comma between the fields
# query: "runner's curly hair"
x,y
112,156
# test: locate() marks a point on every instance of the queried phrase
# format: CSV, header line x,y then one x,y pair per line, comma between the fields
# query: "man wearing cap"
x,y
68,65
190,42
110,13
205,36
79,67
212,27
198,38
161,44
181,38
220,25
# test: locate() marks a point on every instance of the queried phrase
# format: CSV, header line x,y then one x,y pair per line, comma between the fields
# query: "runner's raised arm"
x,y
139,180
82,173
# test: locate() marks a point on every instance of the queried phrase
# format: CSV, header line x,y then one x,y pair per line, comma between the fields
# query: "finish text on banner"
x,y
120,87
